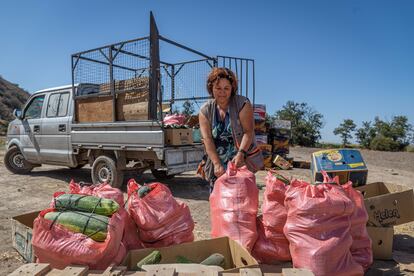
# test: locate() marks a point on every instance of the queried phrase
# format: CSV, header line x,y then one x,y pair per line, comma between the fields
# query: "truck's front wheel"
x,y
15,161
104,170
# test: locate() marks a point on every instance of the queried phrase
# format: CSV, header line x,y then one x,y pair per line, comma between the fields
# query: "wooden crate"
x,y
40,269
130,85
132,106
94,109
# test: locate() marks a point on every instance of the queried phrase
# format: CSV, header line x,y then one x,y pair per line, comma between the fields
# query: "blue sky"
x,y
346,59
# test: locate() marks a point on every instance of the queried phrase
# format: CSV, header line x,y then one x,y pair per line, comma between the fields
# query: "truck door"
x,y
32,118
54,143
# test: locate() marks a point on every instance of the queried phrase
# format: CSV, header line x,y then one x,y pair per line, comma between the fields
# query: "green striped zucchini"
x,y
85,203
93,225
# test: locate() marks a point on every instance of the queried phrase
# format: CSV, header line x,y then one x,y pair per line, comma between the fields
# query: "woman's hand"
x,y
238,160
218,170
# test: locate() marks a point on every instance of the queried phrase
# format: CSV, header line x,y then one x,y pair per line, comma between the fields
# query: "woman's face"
x,y
222,90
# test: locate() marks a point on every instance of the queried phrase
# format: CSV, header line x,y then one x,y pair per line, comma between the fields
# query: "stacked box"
x,y
279,136
259,111
260,129
267,154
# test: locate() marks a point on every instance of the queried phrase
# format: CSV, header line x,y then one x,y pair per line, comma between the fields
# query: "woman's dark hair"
x,y
221,73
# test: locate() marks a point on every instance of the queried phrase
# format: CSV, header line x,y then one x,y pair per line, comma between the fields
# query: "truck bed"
x,y
118,135
137,136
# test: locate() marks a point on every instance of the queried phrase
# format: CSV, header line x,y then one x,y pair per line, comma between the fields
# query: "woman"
x,y
227,127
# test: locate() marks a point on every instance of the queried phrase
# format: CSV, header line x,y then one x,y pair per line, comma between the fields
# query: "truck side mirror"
x,y
17,113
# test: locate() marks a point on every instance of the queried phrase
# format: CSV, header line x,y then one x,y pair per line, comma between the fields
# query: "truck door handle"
x,y
36,129
62,128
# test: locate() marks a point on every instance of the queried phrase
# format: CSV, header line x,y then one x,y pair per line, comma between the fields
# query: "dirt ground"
x,y
25,193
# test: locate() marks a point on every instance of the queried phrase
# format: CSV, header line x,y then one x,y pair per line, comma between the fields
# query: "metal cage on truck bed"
x,y
128,81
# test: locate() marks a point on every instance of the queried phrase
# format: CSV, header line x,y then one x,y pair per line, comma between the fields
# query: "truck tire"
x,y
104,170
161,175
15,161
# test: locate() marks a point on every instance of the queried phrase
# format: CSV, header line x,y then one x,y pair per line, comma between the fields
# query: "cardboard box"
x,y
261,139
348,164
235,255
259,111
281,124
282,163
280,144
178,136
265,148
382,240
22,231
260,127
388,204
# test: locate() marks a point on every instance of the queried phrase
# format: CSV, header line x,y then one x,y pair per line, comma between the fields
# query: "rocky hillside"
x,y
11,97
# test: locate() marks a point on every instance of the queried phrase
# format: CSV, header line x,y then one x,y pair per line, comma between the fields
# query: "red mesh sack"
x,y
234,205
130,237
60,247
103,190
174,119
264,251
274,219
175,238
159,216
361,248
318,228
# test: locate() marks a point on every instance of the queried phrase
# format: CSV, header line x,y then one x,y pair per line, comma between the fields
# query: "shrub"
x,y
383,143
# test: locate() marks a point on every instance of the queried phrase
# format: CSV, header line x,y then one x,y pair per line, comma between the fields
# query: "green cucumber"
x,y
183,260
214,259
85,203
153,258
93,225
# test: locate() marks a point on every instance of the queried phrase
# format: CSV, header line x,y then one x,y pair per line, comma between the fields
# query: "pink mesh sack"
x,y
159,216
234,205
318,228
361,248
174,119
264,251
274,219
130,236
60,247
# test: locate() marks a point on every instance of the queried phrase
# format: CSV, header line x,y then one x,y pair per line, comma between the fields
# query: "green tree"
x,y
306,123
345,130
397,132
365,134
188,108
